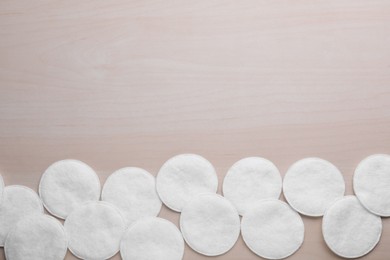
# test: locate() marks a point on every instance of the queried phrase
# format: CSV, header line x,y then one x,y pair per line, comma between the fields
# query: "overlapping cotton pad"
x,y
272,229
66,185
250,180
18,202
311,185
349,229
152,238
371,183
210,224
95,230
36,237
183,177
133,191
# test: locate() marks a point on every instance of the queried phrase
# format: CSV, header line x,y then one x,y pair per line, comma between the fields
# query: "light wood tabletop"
x,y
134,82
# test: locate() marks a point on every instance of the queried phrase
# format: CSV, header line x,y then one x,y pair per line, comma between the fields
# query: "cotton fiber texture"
x,y
18,202
210,224
66,185
183,177
152,238
311,185
36,237
349,229
250,180
133,191
371,183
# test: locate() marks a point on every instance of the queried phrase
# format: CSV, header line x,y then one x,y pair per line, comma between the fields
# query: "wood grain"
x,y
132,83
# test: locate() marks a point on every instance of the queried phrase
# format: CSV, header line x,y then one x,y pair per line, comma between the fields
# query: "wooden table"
x,y
132,83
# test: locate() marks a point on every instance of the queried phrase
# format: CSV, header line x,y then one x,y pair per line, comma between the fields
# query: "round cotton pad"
x,y
18,202
183,177
250,180
210,224
1,188
67,184
133,191
371,183
311,185
95,230
152,238
272,229
349,229
36,237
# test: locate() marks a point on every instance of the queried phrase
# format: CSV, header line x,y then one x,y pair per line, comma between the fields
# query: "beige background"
x,y
134,82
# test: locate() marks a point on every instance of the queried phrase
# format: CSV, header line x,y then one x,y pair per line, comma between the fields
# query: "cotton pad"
x,y
133,191
210,224
272,229
66,185
1,188
152,238
183,177
250,180
349,229
95,230
371,183
18,202
311,185
36,237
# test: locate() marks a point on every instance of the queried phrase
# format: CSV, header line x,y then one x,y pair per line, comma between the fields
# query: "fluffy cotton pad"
x,y
133,191
18,202
36,237
66,185
311,185
349,229
272,229
250,180
210,224
152,238
95,230
371,183
183,177
1,188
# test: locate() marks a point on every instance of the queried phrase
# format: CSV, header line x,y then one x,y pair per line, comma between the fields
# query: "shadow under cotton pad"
x,y
349,229
133,191
272,229
210,224
36,237
95,230
183,177
311,185
1,188
250,180
18,202
152,238
371,183
67,184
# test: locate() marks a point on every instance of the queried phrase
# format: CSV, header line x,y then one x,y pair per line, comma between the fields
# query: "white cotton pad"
x,y
250,180
66,185
349,229
272,229
133,191
210,224
152,238
18,202
371,183
311,185
36,237
1,188
183,177
95,230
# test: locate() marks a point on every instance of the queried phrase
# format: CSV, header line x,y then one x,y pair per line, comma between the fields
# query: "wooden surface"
x,y
134,82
